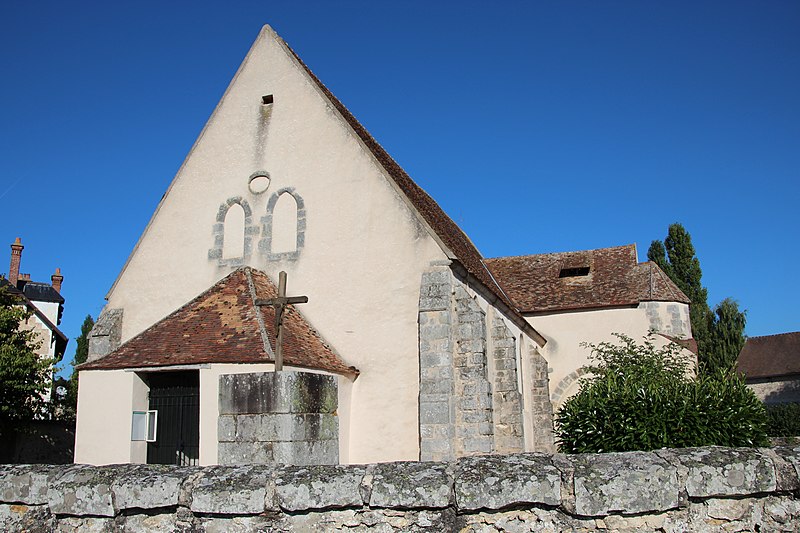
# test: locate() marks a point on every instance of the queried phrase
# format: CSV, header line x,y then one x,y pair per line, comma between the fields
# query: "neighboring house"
x,y
585,297
45,302
771,365
408,348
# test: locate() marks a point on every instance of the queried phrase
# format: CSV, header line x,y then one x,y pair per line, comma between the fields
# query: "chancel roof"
x,y
770,356
606,277
223,325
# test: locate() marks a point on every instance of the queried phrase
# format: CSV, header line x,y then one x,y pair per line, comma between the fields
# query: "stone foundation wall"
x,y
700,489
278,417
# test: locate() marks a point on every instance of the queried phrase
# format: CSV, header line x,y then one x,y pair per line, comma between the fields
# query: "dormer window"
x,y
573,272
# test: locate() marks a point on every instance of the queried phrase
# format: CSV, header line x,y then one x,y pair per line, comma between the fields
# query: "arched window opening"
x,y
233,236
284,224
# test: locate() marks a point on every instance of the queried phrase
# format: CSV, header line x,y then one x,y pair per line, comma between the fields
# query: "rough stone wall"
x,y
470,403
473,422
786,390
278,417
436,383
699,489
541,407
106,334
506,399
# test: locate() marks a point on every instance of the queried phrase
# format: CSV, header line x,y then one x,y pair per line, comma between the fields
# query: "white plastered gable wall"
x,y
363,253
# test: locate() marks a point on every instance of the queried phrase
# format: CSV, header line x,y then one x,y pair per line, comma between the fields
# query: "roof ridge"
x,y
560,253
262,328
787,333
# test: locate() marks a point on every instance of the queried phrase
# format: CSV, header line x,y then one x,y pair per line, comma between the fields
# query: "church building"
x,y
298,298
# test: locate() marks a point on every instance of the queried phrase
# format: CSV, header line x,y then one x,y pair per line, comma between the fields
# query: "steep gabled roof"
x,y
456,242
223,325
770,356
606,277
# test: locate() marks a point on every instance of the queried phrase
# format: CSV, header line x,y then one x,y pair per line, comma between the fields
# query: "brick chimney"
x,y
56,280
16,257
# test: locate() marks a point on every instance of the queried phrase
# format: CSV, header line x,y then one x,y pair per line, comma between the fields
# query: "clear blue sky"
x,y
538,126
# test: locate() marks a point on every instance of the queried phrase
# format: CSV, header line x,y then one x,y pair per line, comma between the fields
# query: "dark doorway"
x,y
176,397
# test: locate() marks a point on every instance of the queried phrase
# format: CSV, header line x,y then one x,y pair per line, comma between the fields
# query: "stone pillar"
x,y
278,417
106,334
506,400
541,408
436,409
472,388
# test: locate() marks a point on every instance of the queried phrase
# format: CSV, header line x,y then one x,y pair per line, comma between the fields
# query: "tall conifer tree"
x,y
719,334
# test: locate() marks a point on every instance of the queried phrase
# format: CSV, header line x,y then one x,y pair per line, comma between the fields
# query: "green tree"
x,y
640,397
81,354
726,337
718,333
25,377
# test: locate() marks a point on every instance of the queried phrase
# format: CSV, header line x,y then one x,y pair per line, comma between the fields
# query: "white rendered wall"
x,y
103,425
566,331
364,250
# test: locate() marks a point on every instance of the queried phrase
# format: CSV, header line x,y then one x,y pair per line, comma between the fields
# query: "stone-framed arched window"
x,y
234,223
286,214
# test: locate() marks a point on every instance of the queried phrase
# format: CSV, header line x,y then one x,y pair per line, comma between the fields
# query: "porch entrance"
x,y
176,397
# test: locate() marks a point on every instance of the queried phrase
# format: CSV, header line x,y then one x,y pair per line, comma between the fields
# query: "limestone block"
x,y
159,523
410,485
149,486
302,453
85,490
26,518
495,482
602,487
789,470
25,483
226,428
234,490
244,453
319,487
277,392
238,524
716,471
85,524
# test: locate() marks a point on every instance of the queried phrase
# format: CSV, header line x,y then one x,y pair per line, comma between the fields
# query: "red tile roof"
x,y
223,325
770,356
446,230
614,278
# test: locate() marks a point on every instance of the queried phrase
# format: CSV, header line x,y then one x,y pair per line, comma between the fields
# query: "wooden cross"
x,y
280,304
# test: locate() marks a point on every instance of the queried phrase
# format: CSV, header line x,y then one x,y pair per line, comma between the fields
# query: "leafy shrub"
x,y
639,397
783,420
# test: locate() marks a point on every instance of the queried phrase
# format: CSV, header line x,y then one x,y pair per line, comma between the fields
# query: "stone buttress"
x,y
470,401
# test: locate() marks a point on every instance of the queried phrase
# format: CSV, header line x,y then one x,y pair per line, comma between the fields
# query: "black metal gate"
x,y
176,397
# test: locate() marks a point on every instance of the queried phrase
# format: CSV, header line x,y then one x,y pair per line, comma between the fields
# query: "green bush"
x,y
639,397
783,420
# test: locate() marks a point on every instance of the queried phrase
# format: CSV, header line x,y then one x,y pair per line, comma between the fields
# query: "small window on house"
x,y
573,272
143,426
267,99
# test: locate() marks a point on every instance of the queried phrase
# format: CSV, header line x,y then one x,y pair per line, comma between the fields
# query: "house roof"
x,y
223,325
452,236
61,340
770,356
42,292
589,279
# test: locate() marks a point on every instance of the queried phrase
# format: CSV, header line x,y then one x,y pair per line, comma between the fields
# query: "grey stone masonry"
x,y
436,408
473,422
541,407
701,489
278,417
106,334
506,399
